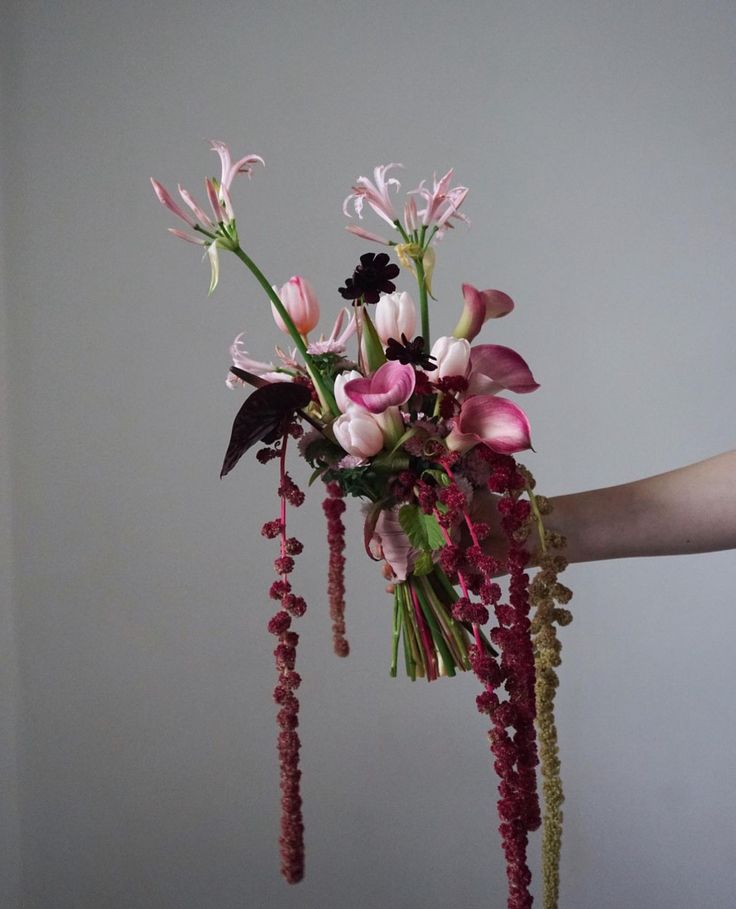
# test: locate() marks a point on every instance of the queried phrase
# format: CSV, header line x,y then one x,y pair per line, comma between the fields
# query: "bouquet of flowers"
x,y
423,433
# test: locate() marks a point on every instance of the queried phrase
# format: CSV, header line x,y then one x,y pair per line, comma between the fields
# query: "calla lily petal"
x,y
390,385
493,367
491,421
480,305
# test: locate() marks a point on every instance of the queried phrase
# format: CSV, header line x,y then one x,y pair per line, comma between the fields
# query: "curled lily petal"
x,y
491,421
389,542
390,385
480,305
494,367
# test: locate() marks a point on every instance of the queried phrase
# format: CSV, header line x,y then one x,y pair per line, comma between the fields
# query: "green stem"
x,y
325,393
423,305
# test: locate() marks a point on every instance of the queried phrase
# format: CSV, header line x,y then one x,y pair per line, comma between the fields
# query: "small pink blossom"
x,y
300,302
243,360
390,385
377,194
338,339
495,422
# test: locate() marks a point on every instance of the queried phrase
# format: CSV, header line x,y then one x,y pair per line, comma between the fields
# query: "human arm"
x,y
691,509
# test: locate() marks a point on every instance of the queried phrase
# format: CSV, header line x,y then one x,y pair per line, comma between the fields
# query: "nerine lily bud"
x,y
480,305
395,314
300,301
358,433
452,356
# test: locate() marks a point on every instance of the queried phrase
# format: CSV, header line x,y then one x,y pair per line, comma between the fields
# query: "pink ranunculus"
x,y
491,421
358,433
390,385
494,367
395,314
452,356
480,305
300,301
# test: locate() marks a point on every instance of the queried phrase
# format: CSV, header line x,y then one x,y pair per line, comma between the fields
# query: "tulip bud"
x,y
300,302
395,314
343,402
452,356
358,433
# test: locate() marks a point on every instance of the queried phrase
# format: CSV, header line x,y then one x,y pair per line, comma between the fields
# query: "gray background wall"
x,y
597,139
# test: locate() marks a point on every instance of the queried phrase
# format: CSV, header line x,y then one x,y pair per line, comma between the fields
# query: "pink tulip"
x,y
491,421
300,301
358,433
395,314
480,305
341,380
452,356
494,368
390,385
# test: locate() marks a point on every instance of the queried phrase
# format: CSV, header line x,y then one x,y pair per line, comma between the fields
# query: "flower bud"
x,y
358,433
395,314
343,402
452,356
300,301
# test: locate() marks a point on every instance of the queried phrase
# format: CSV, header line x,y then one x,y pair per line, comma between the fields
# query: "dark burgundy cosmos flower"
x,y
370,279
409,352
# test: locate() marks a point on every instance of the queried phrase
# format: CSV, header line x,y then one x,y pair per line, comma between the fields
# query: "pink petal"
x,y
497,303
503,366
164,197
390,385
389,542
366,234
182,236
495,422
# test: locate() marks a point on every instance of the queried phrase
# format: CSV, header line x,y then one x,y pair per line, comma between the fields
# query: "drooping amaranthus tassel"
x,y
515,754
291,840
334,507
545,591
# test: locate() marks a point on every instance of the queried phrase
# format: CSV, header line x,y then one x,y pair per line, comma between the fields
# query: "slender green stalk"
x,y
423,303
325,393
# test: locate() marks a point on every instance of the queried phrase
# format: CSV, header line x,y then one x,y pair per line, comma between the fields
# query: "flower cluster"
x,y
425,433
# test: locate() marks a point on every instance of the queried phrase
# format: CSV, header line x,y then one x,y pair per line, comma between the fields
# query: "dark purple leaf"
x,y
263,417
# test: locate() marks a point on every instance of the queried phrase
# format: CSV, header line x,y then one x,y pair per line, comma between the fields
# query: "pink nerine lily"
x,y
480,305
337,342
491,421
442,201
390,385
494,367
376,194
230,170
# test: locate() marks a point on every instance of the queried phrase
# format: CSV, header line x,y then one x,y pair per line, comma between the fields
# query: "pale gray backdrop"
x,y
138,731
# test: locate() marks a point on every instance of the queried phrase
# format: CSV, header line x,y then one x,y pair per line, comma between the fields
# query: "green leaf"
x,y
424,564
422,529
439,476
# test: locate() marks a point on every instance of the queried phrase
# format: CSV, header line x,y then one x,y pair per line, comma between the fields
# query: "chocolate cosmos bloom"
x,y
407,351
371,278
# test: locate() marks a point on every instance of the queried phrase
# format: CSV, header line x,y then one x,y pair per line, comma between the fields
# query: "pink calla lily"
x,y
491,421
494,367
390,385
480,305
